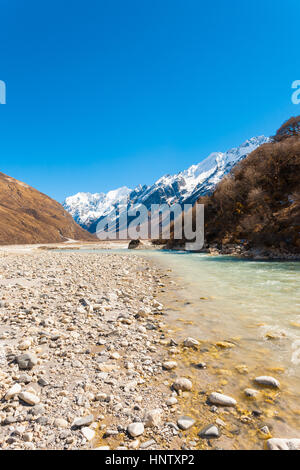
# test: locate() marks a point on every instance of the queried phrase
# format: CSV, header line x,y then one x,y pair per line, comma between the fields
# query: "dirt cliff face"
x,y
28,216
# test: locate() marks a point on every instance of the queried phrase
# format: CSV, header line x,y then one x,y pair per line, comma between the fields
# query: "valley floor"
x,y
81,353
88,361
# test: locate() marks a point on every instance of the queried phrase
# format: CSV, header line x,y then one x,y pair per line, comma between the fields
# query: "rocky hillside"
x,y
257,206
28,216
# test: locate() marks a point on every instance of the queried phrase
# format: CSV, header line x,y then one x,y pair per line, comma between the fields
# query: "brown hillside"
x,y
28,216
258,204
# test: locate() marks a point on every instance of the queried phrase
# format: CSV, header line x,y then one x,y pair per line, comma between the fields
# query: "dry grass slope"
x,y
28,216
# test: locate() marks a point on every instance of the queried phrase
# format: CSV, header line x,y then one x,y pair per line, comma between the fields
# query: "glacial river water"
x,y
253,305
257,301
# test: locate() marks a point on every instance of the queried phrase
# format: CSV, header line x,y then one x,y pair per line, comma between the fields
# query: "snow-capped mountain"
x,y
85,208
184,187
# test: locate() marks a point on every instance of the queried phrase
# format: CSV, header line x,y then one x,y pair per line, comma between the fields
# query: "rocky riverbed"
x,y
81,353
88,361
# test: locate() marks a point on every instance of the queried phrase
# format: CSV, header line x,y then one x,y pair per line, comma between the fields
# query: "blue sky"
x,y
102,94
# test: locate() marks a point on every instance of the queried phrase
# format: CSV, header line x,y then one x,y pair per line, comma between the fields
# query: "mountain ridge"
x,y
184,187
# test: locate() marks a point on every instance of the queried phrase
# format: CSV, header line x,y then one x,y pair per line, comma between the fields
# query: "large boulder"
x,y
134,244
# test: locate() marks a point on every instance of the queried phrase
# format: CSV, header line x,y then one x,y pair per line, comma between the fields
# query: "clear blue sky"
x,y
105,93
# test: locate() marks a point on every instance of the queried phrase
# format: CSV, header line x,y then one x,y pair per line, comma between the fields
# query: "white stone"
x,y
209,432
25,344
283,444
134,444
171,401
153,418
185,422
88,433
29,398
268,381
183,384
83,421
169,365
191,342
129,365
135,429
222,400
14,390
61,423
115,355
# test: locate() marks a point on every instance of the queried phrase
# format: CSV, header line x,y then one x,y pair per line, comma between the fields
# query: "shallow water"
x,y
253,304
256,301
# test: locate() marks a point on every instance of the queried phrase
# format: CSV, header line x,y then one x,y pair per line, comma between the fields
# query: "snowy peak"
x,y
213,168
87,207
184,187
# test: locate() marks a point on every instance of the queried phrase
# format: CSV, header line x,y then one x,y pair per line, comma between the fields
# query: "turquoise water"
x,y
258,301
253,304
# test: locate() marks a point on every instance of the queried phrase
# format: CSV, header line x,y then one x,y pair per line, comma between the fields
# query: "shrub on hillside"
x,y
259,201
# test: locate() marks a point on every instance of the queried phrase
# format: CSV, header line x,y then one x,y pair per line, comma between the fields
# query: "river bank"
x,y
104,358
240,251
80,352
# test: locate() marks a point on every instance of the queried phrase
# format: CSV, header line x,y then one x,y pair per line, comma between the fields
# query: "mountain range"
x,y
184,187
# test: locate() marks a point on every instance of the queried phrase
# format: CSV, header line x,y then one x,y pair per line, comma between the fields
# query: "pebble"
x,y
268,381
191,343
209,432
265,430
222,400
201,365
147,444
182,384
88,433
43,382
25,344
283,444
13,391
61,423
29,398
134,444
185,422
85,421
26,361
170,365
37,410
25,378
250,392
171,401
27,437
135,429
153,418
